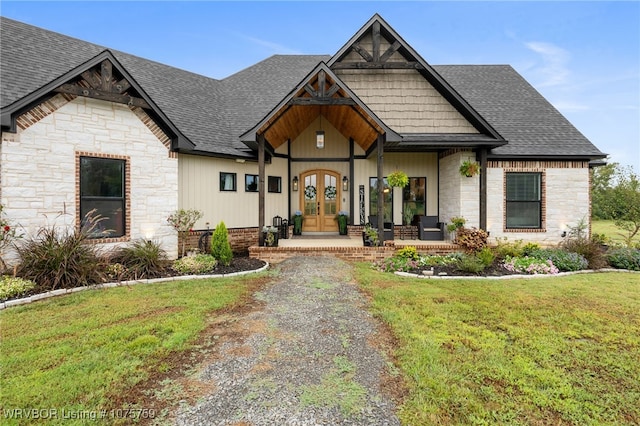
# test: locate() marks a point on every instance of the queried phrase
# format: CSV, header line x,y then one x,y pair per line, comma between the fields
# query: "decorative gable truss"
x,y
103,78
100,82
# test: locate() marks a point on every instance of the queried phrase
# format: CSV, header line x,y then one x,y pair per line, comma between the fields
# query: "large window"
x,y
102,190
524,200
414,198
387,194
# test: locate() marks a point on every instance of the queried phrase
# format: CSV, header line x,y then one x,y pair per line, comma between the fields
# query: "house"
x,y
85,127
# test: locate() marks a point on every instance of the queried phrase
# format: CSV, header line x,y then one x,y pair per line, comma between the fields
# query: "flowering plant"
x,y
7,235
398,179
183,221
530,265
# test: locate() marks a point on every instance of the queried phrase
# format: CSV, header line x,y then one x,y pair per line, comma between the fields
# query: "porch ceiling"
x,y
321,95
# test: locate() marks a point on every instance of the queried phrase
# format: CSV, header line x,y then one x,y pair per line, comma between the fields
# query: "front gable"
x,y
400,87
102,77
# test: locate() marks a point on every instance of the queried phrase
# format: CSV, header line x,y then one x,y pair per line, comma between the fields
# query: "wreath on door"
x,y
330,193
310,192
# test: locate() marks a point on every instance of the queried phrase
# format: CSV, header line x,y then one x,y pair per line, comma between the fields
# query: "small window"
x,y
251,183
274,184
102,190
523,200
227,181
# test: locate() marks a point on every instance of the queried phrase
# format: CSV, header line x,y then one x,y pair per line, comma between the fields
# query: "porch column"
x,y
260,188
483,189
380,213
352,184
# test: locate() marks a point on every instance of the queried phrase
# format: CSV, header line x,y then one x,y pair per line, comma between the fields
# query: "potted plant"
x,y
342,218
456,223
469,168
297,220
398,179
270,234
370,236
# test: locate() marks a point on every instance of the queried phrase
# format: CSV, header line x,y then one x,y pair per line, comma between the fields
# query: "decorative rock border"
x,y
62,291
509,277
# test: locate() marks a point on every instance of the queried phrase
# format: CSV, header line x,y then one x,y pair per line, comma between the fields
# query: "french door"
x,y
320,199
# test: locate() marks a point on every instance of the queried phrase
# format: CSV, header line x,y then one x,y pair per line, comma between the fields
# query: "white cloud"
x,y
273,47
568,106
554,70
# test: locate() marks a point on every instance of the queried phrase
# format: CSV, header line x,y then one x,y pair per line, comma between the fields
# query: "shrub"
x,y
562,259
396,263
505,248
528,248
624,258
198,264
589,249
142,259
12,287
59,259
529,265
486,256
470,264
220,247
408,252
471,239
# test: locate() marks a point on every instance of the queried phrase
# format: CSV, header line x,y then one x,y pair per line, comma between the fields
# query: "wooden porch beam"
x,y
380,163
483,188
106,71
377,65
93,79
73,89
390,51
376,41
261,158
321,101
362,52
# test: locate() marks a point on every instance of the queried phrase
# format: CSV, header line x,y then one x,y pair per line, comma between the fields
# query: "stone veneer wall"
x,y
565,198
39,166
459,195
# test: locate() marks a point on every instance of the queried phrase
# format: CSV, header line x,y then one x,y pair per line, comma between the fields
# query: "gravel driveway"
x,y
305,358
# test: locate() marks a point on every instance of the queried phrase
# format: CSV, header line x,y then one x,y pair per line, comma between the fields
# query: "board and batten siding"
x,y
413,164
199,188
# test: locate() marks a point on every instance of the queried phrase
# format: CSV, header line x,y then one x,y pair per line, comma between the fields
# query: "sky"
x,y
584,57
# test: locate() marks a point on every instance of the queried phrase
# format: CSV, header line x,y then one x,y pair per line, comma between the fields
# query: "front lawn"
x,y
562,350
608,228
77,352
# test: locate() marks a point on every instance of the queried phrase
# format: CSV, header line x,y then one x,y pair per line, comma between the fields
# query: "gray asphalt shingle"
x,y
214,113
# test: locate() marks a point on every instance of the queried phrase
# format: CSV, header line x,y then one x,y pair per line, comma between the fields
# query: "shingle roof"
x,y
214,113
517,111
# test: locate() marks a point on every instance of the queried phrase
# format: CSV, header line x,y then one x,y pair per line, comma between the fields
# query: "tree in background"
x,y
615,195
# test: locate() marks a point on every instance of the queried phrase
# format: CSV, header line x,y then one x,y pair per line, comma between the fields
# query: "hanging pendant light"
x,y
320,135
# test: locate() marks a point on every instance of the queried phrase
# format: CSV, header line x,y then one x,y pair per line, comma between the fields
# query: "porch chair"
x,y
387,226
430,229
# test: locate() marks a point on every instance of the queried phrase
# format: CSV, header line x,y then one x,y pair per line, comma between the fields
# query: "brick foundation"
x,y
240,239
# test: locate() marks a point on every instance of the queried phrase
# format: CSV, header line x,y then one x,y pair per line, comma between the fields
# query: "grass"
x,y
563,350
336,390
77,352
608,228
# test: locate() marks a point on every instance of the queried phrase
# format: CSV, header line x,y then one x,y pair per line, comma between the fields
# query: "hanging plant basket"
x,y
469,168
398,179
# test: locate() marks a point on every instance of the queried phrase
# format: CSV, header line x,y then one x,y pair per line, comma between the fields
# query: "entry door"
x,y
320,197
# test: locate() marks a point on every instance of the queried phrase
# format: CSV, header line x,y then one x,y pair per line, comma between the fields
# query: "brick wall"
x,y
240,239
